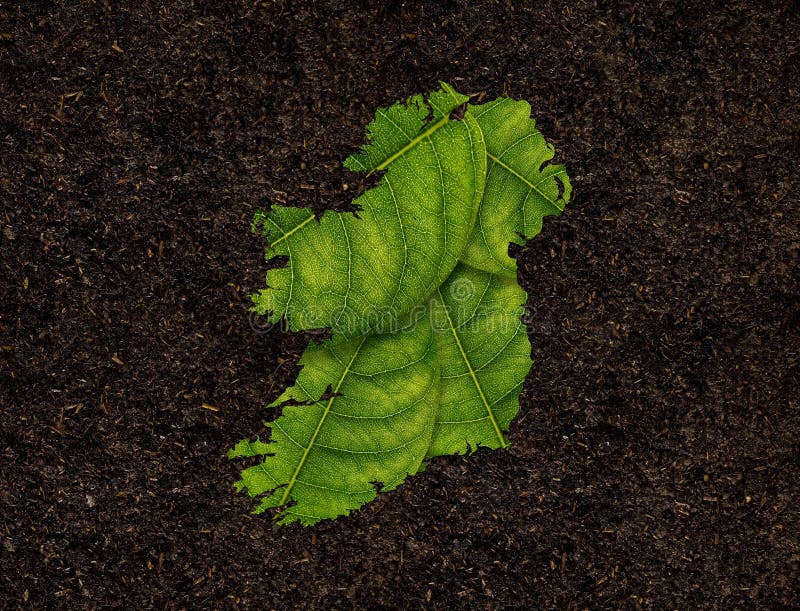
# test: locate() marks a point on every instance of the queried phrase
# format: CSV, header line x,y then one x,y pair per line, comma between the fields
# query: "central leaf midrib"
x,y
427,133
286,234
489,411
532,186
334,394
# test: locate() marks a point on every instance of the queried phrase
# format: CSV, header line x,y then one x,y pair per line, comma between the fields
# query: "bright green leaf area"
x,y
428,353
356,273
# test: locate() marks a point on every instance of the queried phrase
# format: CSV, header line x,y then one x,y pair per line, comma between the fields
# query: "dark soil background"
x,y
655,461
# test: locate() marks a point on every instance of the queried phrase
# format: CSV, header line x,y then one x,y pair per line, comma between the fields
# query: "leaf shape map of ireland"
x,y
427,353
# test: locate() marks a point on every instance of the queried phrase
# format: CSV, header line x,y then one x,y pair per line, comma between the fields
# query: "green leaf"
x,y
521,186
360,273
326,456
428,353
483,353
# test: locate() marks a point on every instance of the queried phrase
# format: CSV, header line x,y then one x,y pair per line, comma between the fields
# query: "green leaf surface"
x,y
325,456
521,186
483,353
360,273
428,353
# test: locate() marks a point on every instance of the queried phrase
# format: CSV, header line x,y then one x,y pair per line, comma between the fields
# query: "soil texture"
x,y
656,458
